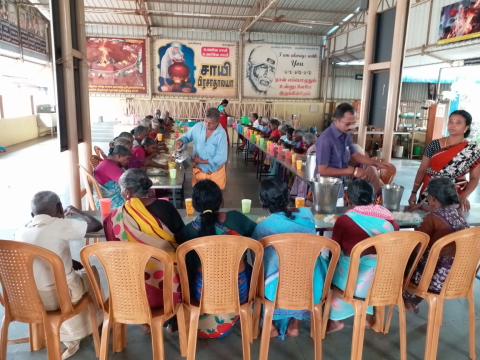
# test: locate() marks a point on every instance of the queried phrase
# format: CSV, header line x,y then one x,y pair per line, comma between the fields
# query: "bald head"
x,y
46,203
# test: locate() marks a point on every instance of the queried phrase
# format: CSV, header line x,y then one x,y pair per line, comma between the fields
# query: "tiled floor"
x,y
38,165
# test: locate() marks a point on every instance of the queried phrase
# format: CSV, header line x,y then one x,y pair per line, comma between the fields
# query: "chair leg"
x,y
402,327
267,329
93,321
358,329
157,338
119,337
432,309
436,330
471,313
378,319
87,241
389,319
96,240
37,336
4,336
246,330
182,330
257,311
192,333
326,313
105,337
317,331
52,335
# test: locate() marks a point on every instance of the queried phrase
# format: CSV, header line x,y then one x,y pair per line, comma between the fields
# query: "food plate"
x,y
157,171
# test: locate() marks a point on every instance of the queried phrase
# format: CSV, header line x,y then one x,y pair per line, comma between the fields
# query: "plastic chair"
x,y
220,256
459,283
297,255
387,175
90,181
99,152
22,301
124,264
393,251
95,160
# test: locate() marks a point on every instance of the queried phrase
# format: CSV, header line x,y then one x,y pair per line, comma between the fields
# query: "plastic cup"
x,y
172,142
299,164
272,147
189,206
171,165
105,206
287,155
280,151
173,173
262,142
299,202
294,158
246,205
159,137
268,144
177,133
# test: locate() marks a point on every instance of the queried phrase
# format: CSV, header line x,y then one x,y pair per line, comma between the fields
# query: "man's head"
x,y
344,117
261,67
47,203
253,117
212,118
274,124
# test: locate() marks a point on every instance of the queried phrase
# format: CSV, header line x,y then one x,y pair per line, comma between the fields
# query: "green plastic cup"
x,y
246,206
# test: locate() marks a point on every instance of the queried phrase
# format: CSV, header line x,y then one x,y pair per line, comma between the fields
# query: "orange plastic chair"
x,y
220,256
297,255
22,301
90,181
459,283
95,160
387,175
124,264
100,153
393,251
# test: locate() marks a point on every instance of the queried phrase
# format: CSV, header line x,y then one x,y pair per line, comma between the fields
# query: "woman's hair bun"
x,y
146,183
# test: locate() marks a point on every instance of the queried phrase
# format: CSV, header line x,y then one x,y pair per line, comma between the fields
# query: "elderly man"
x,y
50,230
209,147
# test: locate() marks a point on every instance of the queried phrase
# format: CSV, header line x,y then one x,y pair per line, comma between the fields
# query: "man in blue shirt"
x,y
209,147
334,148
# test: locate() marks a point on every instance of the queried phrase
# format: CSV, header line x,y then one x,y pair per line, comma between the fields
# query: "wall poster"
x,y
32,32
116,65
459,21
281,71
201,68
8,23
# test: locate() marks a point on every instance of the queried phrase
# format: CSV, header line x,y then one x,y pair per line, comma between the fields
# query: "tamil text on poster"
x,y
116,65
281,71
8,23
32,32
459,21
195,68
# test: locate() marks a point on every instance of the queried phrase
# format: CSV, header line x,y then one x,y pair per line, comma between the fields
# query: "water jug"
x,y
392,196
311,166
325,194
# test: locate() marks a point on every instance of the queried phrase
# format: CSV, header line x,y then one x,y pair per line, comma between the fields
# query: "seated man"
x,y
50,230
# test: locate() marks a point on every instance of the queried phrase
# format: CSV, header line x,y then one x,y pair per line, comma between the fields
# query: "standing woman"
x,y
223,117
452,157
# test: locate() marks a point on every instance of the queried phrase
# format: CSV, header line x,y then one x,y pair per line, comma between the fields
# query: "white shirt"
x,y
255,123
53,234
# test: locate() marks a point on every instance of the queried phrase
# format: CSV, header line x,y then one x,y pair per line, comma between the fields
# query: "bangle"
x,y
417,184
414,192
355,171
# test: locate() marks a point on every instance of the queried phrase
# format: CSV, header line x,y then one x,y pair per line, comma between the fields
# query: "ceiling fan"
x,y
250,41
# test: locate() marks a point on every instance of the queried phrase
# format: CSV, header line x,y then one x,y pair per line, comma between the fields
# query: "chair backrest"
x,y
90,181
461,277
95,160
393,251
387,175
124,264
297,256
20,295
220,256
100,153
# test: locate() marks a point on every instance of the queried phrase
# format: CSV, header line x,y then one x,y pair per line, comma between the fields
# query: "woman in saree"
x,y
452,157
444,219
274,198
224,117
364,220
107,174
207,199
146,152
150,221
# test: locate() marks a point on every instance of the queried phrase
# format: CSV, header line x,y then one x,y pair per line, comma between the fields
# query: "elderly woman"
x,y
207,199
126,139
444,219
146,220
300,187
282,129
364,220
274,198
108,172
139,134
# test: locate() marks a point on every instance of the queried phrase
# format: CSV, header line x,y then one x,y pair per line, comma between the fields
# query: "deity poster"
x,y
281,71
201,68
459,21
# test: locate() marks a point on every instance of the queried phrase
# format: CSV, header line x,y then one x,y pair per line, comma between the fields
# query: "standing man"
x,y
334,149
209,147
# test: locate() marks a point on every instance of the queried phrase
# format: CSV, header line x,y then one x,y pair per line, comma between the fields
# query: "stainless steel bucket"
x,y
311,166
392,196
398,151
325,194
183,157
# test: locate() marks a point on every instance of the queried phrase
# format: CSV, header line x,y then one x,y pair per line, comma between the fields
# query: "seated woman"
x,y
282,129
155,129
275,134
107,174
371,175
288,139
300,187
274,198
207,199
146,151
297,137
444,219
139,134
146,220
361,222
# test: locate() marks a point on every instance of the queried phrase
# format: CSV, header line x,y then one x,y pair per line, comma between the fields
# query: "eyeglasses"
x,y
348,123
